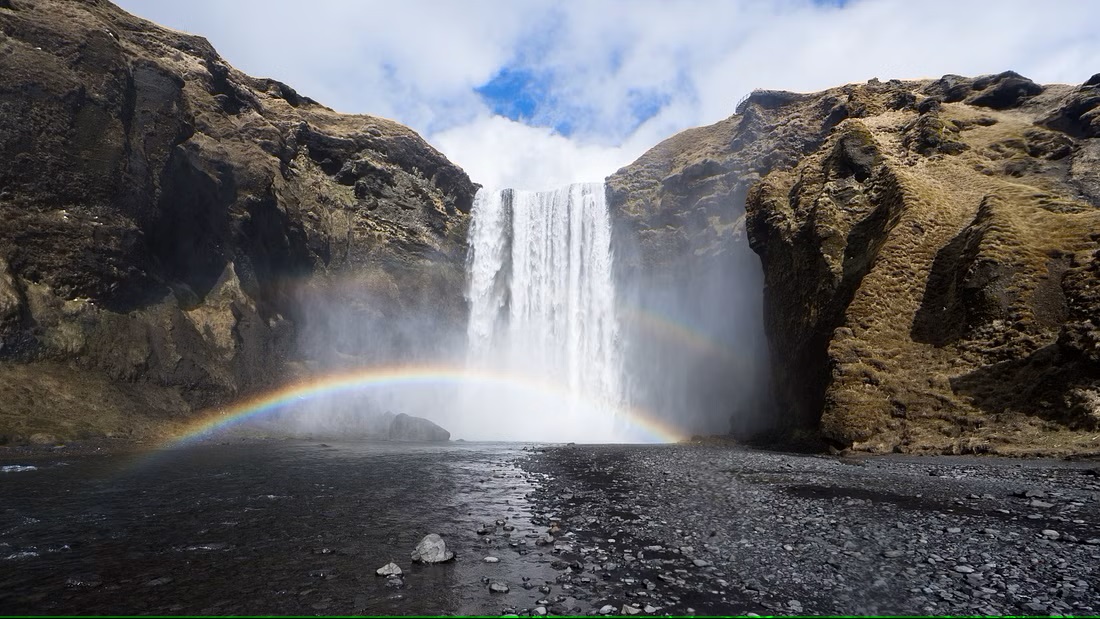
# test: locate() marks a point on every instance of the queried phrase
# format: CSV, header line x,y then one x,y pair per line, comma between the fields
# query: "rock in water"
x,y
407,428
432,549
389,569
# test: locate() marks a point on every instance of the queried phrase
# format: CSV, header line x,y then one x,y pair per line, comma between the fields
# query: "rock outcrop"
x,y
688,283
930,254
416,429
172,227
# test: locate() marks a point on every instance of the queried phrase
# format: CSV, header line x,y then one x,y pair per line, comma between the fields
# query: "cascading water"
x,y
542,307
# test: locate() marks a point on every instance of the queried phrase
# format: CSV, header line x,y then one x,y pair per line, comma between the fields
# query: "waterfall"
x,y
542,306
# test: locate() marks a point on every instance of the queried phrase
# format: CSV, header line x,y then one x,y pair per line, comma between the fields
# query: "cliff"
x,y
172,228
930,253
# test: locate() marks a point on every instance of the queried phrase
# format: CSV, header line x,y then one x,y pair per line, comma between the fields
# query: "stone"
x,y
630,610
498,587
406,428
389,569
964,569
432,549
1051,534
607,609
491,560
1004,91
700,562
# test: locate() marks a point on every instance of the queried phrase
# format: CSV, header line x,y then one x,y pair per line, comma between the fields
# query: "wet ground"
x,y
289,527
710,530
282,527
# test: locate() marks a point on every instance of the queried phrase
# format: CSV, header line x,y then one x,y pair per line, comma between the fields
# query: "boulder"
x,y
1004,91
416,429
432,549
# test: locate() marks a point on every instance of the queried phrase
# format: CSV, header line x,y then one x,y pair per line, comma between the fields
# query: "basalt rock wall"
x,y
929,255
173,230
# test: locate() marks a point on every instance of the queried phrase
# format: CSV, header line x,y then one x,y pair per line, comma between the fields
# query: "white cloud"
x,y
499,153
419,62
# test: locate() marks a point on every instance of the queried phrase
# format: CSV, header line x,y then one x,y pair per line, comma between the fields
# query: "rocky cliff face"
x,y
930,254
172,227
689,283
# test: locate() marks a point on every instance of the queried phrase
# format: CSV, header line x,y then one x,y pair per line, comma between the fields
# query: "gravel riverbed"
x,y
684,529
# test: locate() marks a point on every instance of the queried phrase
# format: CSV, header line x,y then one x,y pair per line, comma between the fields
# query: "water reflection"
x,y
274,527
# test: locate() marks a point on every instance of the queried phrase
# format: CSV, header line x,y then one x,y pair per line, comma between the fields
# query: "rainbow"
x,y
687,337
637,423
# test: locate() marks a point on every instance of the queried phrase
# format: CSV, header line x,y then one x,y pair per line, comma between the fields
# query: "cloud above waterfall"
x,y
539,93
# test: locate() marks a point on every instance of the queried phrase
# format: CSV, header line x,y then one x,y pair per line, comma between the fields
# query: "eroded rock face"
x,y
928,250
173,227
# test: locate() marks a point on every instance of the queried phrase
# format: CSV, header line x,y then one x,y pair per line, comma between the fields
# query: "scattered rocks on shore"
x,y
688,529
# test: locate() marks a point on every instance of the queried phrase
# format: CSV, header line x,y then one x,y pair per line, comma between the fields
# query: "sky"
x,y
535,94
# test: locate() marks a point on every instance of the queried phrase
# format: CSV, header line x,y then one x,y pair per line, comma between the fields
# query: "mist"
x,y
550,331
696,355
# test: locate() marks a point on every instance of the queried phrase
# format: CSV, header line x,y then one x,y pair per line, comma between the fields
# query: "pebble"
x,y
491,560
389,569
498,587
860,582
1051,534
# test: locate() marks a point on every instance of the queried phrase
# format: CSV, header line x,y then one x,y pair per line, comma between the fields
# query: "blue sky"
x,y
538,93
